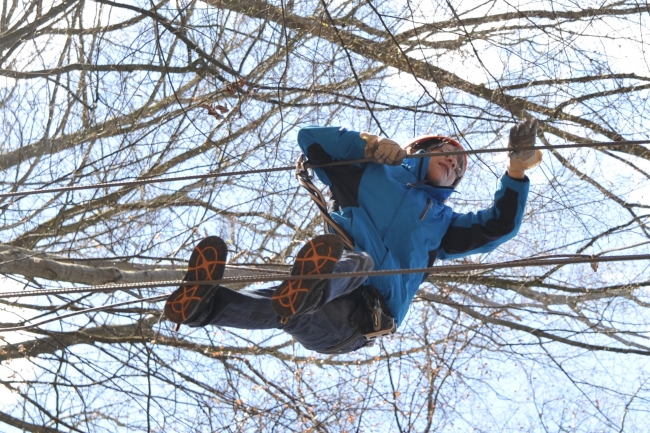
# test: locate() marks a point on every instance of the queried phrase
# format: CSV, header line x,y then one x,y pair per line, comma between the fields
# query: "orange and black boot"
x,y
316,257
188,304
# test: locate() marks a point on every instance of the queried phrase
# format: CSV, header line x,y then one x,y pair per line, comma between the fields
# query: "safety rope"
x,y
304,178
146,181
262,279
436,269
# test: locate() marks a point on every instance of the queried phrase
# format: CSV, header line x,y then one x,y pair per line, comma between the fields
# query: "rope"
x,y
330,225
146,181
262,279
437,269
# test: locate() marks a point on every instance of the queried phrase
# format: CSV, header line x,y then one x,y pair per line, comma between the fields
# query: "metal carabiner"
x,y
301,170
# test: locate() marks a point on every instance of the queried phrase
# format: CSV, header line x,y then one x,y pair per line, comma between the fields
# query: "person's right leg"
x,y
334,328
207,262
243,309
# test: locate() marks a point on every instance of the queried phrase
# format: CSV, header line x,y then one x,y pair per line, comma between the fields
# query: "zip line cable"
x,y
263,279
436,269
146,181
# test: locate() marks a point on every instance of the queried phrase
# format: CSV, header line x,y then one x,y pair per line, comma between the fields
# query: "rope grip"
x,y
302,171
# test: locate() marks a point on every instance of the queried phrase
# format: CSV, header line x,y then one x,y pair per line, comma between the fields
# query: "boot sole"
x,y
207,262
316,257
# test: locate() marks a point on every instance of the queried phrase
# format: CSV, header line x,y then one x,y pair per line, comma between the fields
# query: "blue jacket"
x,y
400,219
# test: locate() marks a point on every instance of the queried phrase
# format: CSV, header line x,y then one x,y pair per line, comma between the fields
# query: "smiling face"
x,y
443,169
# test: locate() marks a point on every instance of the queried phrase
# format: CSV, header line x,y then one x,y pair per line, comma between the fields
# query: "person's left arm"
x,y
483,231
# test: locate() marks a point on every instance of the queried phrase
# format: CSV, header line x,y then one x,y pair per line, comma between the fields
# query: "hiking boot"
x,y
187,303
316,257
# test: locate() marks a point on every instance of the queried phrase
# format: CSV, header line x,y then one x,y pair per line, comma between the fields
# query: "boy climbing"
x,y
393,209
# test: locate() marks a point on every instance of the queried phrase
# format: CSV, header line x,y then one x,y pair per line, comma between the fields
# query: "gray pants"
x,y
334,323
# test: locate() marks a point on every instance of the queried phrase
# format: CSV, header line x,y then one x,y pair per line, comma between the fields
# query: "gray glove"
x,y
382,150
524,134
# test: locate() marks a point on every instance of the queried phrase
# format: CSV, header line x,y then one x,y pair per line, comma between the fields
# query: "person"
x,y
394,210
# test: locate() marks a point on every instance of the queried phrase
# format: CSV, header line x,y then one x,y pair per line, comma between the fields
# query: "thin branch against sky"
x,y
96,92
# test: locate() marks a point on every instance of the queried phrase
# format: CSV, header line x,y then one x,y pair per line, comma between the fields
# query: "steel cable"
x,y
146,181
430,270
262,279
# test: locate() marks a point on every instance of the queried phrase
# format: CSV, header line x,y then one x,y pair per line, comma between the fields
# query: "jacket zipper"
x,y
426,209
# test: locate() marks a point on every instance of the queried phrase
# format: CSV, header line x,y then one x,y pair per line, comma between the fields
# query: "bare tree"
x,y
126,90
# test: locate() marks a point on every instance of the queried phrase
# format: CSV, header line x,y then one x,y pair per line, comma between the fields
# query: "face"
x,y
444,169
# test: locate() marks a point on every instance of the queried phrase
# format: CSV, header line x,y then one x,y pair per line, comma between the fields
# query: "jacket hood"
x,y
418,166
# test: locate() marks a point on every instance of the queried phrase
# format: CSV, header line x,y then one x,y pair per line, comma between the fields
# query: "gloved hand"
x,y
524,134
382,150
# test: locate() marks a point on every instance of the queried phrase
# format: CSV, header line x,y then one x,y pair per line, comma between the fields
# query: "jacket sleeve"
x,y
338,143
485,230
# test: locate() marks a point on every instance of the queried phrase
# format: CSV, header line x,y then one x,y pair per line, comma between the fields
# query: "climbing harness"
x,y
381,323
